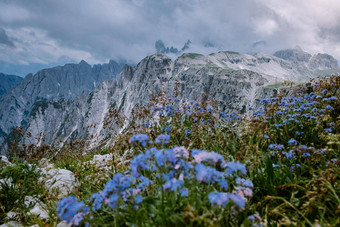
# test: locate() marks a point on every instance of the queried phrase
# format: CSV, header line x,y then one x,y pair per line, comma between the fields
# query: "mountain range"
x,y
8,81
80,102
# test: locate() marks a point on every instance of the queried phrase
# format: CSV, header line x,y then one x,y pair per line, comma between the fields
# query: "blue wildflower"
x,y
209,157
77,219
244,182
141,138
97,199
233,167
264,101
292,142
144,182
305,155
113,201
172,185
163,139
302,147
333,98
184,192
290,154
327,129
278,113
255,218
278,125
219,199
223,183
329,107
272,146
204,173
324,91
118,183
279,147
293,167
69,207
138,199
237,199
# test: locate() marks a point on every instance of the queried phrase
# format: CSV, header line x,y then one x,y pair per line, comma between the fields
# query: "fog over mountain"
x,y
40,34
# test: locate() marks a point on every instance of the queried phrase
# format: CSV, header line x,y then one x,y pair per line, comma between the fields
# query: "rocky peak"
x,y
323,61
294,55
83,63
127,72
157,64
68,82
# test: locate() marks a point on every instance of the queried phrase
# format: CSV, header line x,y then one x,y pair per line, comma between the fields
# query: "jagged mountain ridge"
x,y
88,117
160,48
8,81
319,62
233,80
65,82
283,69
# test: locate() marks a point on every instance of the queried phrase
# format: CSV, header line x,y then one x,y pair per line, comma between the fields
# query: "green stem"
x,y
329,185
288,203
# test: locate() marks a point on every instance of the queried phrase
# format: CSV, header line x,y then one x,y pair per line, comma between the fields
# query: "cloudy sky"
x,y
42,33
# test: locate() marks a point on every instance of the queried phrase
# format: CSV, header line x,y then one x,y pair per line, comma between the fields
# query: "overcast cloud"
x,y
55,32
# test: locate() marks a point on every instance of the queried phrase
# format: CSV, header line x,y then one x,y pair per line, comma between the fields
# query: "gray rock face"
x,y
317,65
8,81
323,62
90,117
234,81
294,55
65,82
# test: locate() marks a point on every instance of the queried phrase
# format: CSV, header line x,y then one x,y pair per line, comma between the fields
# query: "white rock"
x,y
39,211
43,162
39,208
30,201
101,160
11,224
102,166
60,182
45,165
63,224
7,181
4,160
11,215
